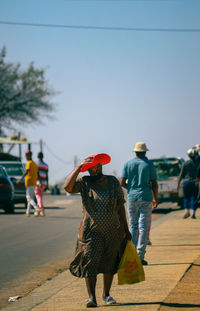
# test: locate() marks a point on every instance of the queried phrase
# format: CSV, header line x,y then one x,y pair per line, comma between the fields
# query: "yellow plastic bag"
x,y
130,269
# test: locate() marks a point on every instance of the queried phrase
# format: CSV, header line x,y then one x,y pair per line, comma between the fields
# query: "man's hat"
x,y
102,158
140,147
197,147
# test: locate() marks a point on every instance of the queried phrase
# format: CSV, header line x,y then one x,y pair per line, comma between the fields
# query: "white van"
x,y
168,170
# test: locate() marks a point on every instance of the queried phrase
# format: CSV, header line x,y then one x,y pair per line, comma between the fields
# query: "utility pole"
x,y
1,145
41,145
20,152
20,148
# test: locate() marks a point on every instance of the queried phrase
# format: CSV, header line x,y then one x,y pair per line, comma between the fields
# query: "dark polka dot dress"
x,y
100,234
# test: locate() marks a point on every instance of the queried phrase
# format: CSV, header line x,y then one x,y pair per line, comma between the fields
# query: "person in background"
x,y
188,174
42,183
140,180
197,183
30,174
55,190
197,148
103,228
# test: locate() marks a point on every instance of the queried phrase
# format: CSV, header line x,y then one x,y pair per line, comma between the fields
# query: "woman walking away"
x,y
103,226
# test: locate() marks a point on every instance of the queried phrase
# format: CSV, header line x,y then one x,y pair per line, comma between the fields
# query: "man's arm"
x,y
22,177
154,185
180,177
47,180
123,182
197,177
122,214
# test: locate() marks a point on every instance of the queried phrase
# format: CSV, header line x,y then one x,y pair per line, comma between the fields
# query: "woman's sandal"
x,y
109,300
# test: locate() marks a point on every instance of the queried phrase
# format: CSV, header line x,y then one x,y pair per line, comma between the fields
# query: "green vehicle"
x,y
168,170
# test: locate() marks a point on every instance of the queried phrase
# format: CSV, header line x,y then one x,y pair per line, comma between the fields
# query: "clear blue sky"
x,y
116,87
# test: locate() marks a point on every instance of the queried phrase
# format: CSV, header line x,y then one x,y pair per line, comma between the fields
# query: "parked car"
x,y
6,192
15,169
168,170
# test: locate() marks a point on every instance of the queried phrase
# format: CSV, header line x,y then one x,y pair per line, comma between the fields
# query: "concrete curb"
x,y
41,293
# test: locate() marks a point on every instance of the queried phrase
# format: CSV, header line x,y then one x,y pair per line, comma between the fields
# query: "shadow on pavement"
x,y
180,305
52,207
170,264
134,304
175,305
165,210
21,210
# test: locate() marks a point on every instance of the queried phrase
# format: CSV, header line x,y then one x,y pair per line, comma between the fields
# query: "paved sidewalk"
x,y
176,246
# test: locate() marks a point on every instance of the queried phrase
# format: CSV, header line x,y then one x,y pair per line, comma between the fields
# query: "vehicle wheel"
x,y
9,209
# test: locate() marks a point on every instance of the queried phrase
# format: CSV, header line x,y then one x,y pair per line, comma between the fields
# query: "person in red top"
x,y
42,182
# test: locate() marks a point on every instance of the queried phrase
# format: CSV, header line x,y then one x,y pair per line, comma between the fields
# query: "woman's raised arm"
x,y
71,178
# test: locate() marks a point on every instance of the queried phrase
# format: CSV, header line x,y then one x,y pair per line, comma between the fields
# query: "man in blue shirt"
x,y
139,178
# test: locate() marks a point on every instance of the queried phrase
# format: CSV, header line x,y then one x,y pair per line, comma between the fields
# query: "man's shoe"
x,y
26,215
193,217
186,215
37,213
91,303
144,262
109,300
149,242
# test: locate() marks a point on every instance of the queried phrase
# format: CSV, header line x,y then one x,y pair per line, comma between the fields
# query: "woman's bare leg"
x,y
107,282
91,286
